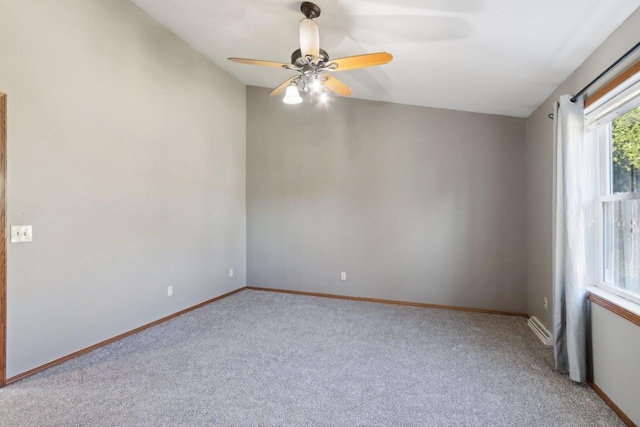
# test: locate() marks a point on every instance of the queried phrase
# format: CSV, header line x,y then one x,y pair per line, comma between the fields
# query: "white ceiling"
x,y
490,56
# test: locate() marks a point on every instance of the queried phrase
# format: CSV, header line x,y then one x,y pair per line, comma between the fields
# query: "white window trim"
x,y
597,118
620,197
633,298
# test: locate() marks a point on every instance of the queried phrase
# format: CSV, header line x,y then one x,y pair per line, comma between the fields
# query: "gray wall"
x,y
540,168
415,204
126,152
616,352
615,357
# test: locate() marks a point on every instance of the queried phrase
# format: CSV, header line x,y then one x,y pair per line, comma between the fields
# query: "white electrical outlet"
x,y
231,272
21,233
169,291
343,275
546,303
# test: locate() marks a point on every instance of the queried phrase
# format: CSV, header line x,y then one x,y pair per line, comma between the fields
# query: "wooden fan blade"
x,y
336,85
259,62
360,61
280,89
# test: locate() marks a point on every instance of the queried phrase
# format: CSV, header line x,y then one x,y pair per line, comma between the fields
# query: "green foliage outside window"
x,y
625,152
622,217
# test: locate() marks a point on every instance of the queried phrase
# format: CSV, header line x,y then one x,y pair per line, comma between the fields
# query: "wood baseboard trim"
x,y
116,338
611,404
387,301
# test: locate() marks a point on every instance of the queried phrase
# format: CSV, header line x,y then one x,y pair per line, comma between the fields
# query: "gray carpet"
x,y
261,358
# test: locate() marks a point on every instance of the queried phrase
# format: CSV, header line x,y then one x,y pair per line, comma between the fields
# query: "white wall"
x,y
415,204
126,152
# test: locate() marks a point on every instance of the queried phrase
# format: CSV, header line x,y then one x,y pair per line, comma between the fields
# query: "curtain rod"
x,y
605,72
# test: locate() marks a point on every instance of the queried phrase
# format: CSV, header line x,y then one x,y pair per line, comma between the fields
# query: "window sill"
x,y
614,303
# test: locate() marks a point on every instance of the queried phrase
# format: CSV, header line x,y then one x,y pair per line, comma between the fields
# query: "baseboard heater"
x,y
539,329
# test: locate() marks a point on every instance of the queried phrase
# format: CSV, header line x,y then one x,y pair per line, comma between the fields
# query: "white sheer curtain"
x,y
575,266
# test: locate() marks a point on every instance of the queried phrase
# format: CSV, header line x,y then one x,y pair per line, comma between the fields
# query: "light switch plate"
x,y
21,233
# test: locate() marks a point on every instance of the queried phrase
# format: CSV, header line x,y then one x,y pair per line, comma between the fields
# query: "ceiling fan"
x,y
313,64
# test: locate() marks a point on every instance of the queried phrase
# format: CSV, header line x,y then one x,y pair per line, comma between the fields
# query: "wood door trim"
x,y
3,239
388,301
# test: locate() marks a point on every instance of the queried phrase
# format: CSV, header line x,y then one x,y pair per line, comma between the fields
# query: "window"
x,y
619,200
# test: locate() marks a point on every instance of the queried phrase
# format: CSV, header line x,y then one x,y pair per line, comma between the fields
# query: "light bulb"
x,y
292,96
316,85
324,98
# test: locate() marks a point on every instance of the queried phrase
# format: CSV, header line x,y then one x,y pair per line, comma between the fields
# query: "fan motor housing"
x,y
299,61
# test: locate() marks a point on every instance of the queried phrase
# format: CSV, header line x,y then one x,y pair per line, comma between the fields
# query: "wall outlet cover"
x,y
21,233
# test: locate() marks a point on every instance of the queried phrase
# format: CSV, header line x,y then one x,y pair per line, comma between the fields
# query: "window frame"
x,y
600,129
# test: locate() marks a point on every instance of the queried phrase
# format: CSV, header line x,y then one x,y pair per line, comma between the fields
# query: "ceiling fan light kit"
x,y
292,96
313,65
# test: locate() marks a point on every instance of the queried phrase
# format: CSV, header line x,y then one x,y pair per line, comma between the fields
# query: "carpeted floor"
x,y
269,359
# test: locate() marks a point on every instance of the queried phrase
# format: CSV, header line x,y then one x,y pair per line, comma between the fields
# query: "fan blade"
x,y
259,62
360,61
280,89
336,85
